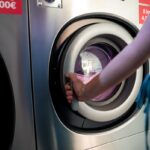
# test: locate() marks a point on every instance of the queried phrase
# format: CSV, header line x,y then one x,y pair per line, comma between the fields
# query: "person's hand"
x,y
77,89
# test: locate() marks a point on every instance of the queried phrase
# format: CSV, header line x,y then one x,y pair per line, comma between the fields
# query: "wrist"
x,y
85,96
82,95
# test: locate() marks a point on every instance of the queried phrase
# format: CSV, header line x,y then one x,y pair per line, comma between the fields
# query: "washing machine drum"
x,y
85,48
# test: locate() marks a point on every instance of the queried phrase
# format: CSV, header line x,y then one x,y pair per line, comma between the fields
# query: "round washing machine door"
x,y
89,59
85,46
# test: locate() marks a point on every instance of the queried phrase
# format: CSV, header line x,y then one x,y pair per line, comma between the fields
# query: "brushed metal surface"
x,y
14,49
45,23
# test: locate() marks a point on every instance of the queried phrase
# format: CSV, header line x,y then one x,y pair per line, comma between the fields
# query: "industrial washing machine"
x,y
17,121
82,36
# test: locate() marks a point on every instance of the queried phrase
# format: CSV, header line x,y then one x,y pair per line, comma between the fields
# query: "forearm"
x,y
123,65
129,59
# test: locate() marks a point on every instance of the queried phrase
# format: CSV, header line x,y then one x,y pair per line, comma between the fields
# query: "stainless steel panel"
x,y
14,48
45,23
125,143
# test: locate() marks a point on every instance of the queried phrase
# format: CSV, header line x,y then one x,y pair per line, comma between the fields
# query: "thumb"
x,y
72,76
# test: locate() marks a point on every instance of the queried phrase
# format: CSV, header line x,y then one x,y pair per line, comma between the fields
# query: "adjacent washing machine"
x,y
17,121
83,37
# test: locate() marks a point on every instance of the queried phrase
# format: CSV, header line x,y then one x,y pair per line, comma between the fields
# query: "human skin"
x,y
121,67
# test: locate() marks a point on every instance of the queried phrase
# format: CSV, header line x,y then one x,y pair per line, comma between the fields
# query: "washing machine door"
x,y
86,48
89,59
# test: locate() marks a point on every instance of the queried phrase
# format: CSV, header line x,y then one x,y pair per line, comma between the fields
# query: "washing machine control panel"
x,y
50,3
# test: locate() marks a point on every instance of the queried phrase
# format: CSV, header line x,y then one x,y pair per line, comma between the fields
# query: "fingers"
x,y
68,88
69,93
69,99
72,77
74,88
